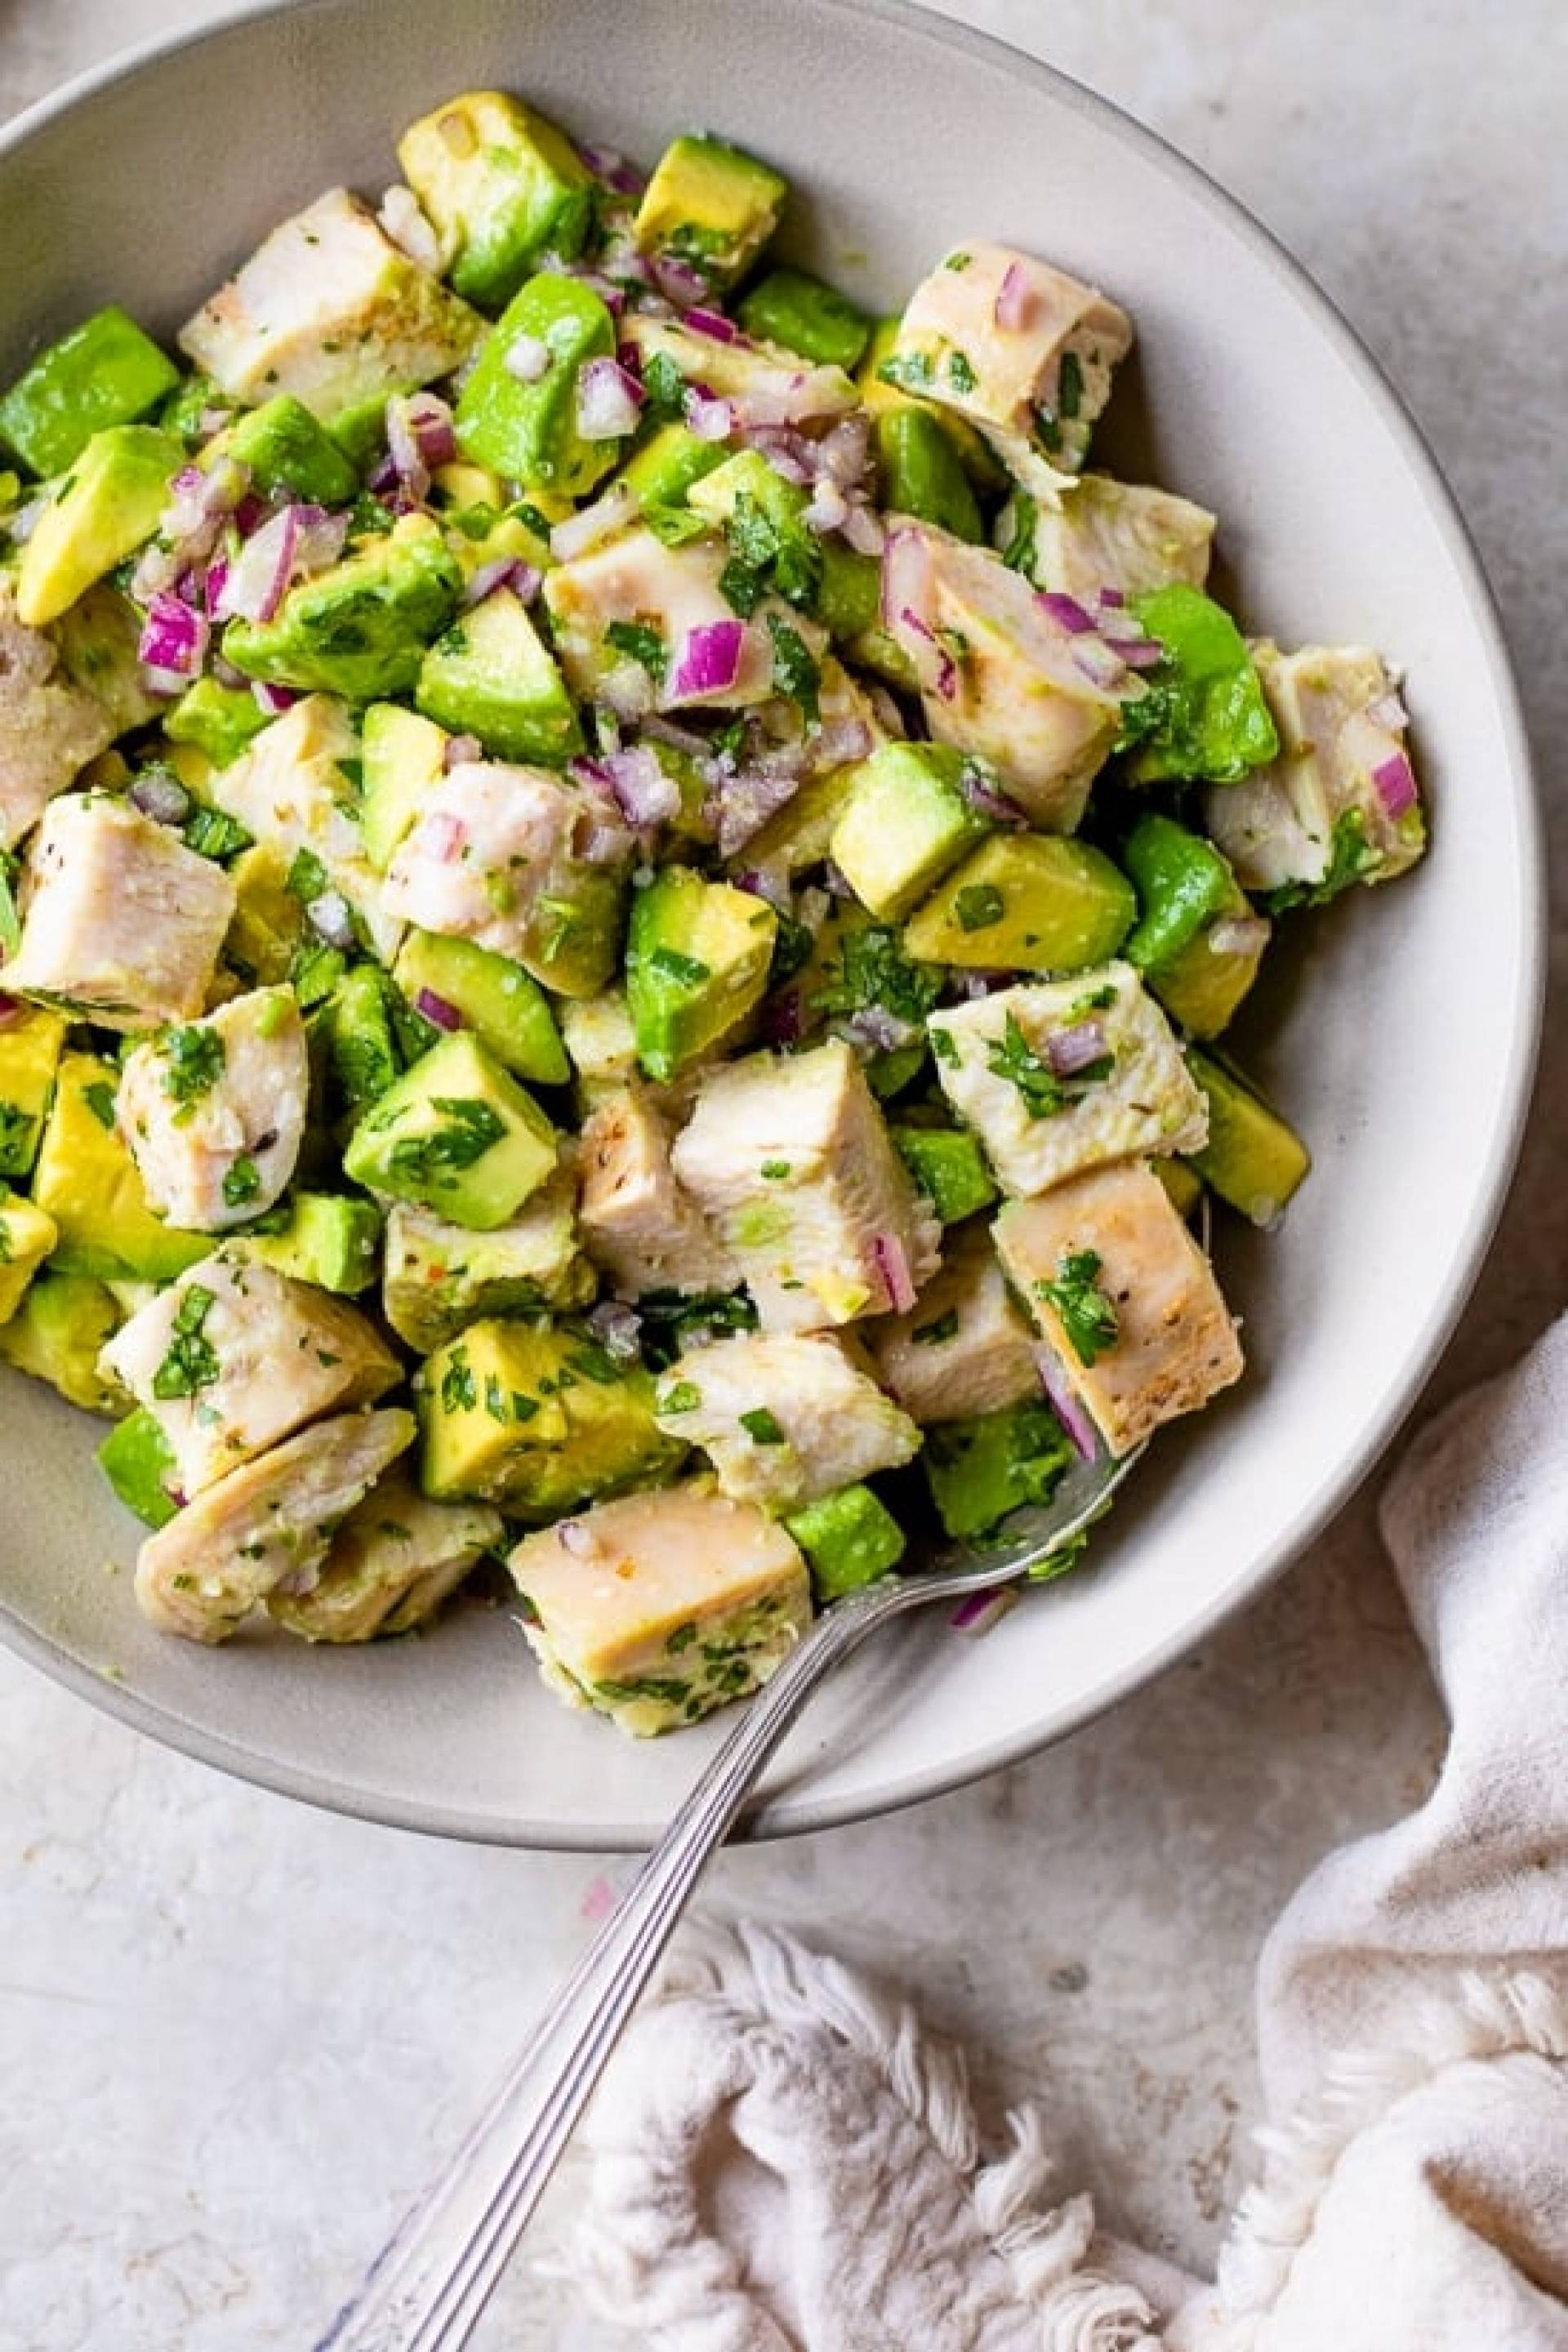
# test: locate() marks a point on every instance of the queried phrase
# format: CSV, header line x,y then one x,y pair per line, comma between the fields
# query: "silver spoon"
x,y
427,2289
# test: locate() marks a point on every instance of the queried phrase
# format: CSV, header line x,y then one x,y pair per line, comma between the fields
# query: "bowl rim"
x,y
803,1814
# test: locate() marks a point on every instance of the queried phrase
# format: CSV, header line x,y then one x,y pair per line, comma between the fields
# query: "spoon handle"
x,y
429,2286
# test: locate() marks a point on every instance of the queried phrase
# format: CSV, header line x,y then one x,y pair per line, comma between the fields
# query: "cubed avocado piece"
x,y
881,398
360,431
981,1470
402,756
661,473
27,1237
326,1238
268,932
31,1041
88,1182
361,1043
712,207
792,307
849,1539
290,454
1025,902
439,1278
501,185
456,1134
537,1418
104,373
950,1169
139,1463
1204,713
191,408
57,1334
493,676
922,474
906,822
527,429
108,503
1182,1183
1252,1158
1197,941
697,964
360,629
221,722
506,1009
576,942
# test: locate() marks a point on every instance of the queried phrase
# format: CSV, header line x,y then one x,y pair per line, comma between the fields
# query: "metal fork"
x,y
427,2289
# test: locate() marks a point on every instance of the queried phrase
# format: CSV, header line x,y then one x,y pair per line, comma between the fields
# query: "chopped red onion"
x,y
528,358
708,417
1137,653
844,452
273,699
781,1021
981,1610
498,573
709,661
747,800
1395,782
971,985
1113,598
1242,935
607,164
1065,1403
1011,302
839,743
617,1328
863,530
600,840
680,282
1095,658
319,541
462,752
214,582
331,918
161,796
1065,611
644,795
906,578
594,524
827,509
892,1261
1389,711
575,1538
259,574
436,1009
442,836
608,399
765,882
1075,1049
878,1030
433,428
986,798
200,504
173,640
402,218
791,456
714,325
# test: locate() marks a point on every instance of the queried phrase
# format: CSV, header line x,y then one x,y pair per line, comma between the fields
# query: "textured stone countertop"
x,y
232,2031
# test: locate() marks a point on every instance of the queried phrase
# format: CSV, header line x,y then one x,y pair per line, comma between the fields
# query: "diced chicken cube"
x,y
782,1418
121,920
1058,1075
1340,803
1125,536
391,1563
654,597
1000,674
265,1525
493,850
791,1159
439,1278
292,791
656,1609
770,386
963,1349
331,310
1124,1298
1023,350
66,692
234,1357
640,1227
214,1113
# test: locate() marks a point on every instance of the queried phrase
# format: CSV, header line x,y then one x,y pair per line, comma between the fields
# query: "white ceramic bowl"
x,y
1399,1029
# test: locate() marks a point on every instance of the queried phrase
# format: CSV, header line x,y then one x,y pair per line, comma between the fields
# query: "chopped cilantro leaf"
x,y
1013,1056
1070,386
977,906
193,1062
665,387
242,1181
458,1392
468,1130
307,878
908,370
1087,1317
191,1363
774,1171
690,971
680,1396
1019,554
100,1099
961,374
871,968
760,1426
641,644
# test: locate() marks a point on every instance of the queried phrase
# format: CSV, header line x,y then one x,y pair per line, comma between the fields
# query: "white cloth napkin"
x,y
785,2161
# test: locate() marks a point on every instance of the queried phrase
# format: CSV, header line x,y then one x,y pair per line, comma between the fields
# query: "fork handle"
x,y
427,2289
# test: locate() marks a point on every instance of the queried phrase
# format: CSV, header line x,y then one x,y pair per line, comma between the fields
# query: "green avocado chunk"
x,y
697,964
325,1238
663,470
106,371
502,186
1025,902
524,424
502,1004
1186,890
362,1046
922,474
31,1041
537,1418
792,307
1202,713
108,503
493,676
454,1134
849,1539
980,1470
905,822
1252,1158
289,454
360,629
439,1278
57,1334
403,757
712,207
139,1463
950,1169
220,720
88,1182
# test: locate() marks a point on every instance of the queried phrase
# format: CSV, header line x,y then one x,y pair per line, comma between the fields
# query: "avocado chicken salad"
x,y
619,881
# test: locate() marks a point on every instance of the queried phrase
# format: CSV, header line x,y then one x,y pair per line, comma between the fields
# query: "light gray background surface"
x,y
234,2032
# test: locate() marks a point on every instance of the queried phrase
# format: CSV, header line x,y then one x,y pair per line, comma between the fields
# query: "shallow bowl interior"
x,y
902,136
